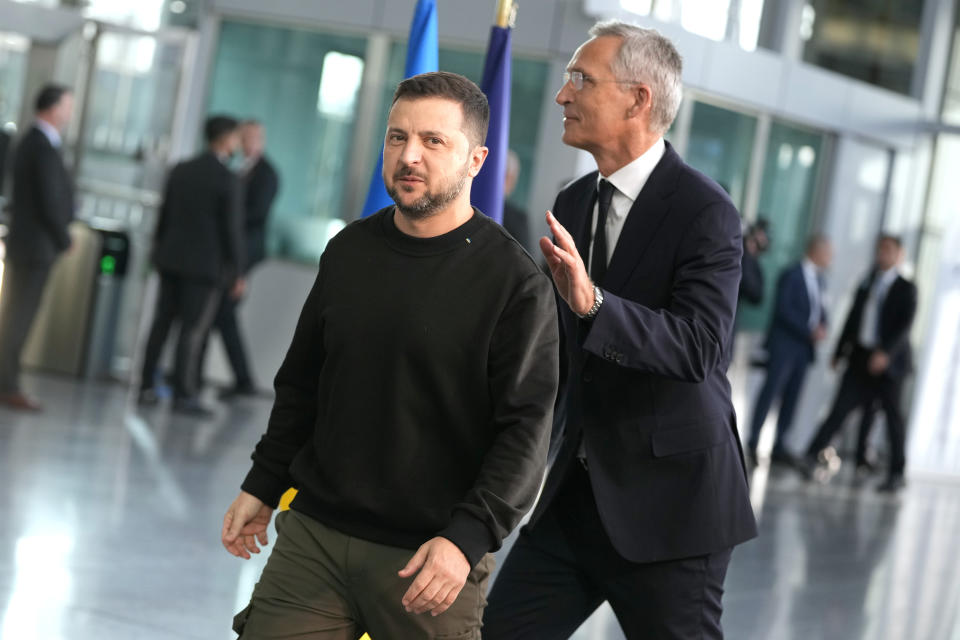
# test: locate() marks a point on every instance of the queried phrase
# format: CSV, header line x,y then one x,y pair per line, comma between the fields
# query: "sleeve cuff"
x,y
470,535
264,486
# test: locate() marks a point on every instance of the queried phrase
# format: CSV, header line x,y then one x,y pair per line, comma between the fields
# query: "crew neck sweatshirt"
x,y
416,397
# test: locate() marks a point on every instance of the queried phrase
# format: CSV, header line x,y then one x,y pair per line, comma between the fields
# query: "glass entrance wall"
x,y
877,41
791,170
13,66
721,145
302,85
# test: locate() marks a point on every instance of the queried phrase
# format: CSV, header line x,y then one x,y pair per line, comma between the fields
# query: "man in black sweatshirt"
x,y
413,408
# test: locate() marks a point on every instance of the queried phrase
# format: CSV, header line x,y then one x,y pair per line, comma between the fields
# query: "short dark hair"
x,y
889,237
452,86
218,126
49,96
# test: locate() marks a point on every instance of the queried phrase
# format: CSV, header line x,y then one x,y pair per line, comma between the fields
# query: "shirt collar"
x,y
810,268
630,178
50,131
885,278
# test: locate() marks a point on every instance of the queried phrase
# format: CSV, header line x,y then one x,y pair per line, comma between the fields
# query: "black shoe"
x,y
752,459
192,407
892,484
148,397
782,457
865,469
806,466
238,391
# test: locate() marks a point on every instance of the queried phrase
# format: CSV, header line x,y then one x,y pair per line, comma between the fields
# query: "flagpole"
x,y
506,14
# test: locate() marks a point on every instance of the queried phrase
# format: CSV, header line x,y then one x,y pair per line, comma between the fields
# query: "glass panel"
x,y
13,67
720,145
527,92
876,41
951,98
734,20
787,193
303,87
130,114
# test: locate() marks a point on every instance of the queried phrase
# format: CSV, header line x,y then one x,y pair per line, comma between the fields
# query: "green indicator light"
x,y
108,264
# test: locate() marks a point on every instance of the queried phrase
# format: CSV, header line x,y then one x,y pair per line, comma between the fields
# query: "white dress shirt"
x,y
869,324
627,181
50,131
813,292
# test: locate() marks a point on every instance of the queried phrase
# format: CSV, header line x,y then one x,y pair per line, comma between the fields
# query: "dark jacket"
x,y
790,324
897,311
645,381
751,281
200,227
43,202
260,186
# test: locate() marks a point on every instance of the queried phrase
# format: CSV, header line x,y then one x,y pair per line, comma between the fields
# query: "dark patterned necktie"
x,y
598,258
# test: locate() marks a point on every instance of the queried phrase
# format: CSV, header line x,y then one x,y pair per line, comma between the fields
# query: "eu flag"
x,y
487,191
421,57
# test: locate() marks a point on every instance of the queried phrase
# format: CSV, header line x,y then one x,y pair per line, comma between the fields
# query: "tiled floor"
x,y
110,522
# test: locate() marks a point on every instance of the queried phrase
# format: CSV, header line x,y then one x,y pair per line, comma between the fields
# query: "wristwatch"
x,y
597,301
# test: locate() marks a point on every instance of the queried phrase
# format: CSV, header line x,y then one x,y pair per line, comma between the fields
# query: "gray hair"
x,y
648,57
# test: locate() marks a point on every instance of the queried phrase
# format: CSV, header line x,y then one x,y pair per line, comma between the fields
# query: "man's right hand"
x,y
245,523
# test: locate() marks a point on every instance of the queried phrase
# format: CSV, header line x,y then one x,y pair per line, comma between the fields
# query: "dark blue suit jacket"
x,y
645,382
790,324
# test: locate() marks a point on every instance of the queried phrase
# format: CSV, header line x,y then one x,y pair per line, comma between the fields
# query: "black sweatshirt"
x,y
416,398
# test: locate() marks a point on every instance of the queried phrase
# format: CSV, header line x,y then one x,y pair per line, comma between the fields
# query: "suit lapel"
x,y
646,215
583,205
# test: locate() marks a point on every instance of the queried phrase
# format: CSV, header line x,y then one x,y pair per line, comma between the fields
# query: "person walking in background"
x,y
260,186
198,251
515,219
875,343
648,493
413,407
42,209
798,325
755,244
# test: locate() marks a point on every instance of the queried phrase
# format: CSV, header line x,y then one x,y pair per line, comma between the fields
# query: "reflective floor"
x,y
110,522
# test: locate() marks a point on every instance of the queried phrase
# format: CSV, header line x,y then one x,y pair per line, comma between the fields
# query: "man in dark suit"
x,y
875,342
798,324
648,493
198,250
260,185
42,210
514,218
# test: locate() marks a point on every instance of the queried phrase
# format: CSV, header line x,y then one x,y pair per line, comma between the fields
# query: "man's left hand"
x,y
238,289
443,572
879,362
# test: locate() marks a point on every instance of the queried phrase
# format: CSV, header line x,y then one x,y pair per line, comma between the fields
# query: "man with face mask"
x,y
413,407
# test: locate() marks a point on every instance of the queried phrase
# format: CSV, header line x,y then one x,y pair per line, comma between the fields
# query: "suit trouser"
x,y
227,323
860,389
562,569
193,302
322,584
20,298
786,372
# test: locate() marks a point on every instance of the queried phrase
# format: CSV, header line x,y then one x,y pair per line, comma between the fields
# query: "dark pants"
x,y
786,371
322,584
562,569
861,390
227,324
19,301
193,303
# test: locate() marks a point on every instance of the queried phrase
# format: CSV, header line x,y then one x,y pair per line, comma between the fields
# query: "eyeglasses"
x,y
576,78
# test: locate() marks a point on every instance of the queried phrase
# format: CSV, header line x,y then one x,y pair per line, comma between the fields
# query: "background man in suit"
x,y
799,323
875,342
260,185
648,492
514,218
198,250
42,210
